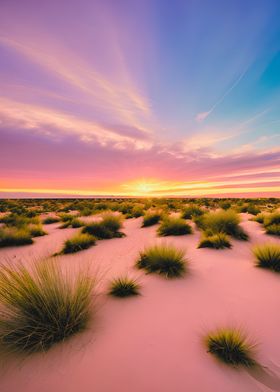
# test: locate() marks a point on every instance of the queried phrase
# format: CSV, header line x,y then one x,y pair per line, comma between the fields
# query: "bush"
x,y
151,218
215,241
272,219
50,219
11,236
222,222
73,222
41,306
124,287
174,226
136,212
231,347
273,229
259,218
191,211
78,242
107,228
268,256
36,230
163,259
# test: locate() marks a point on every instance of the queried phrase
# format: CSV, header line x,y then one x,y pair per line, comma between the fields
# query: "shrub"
x,y
191,211
272,219
222,222
66,217
268,256
50,219
259,218
163,259
107,228
174,226
151,218
11,236
36,230
124,287
78,242
215,241
273,229
136,212
231,347
73,222
41,306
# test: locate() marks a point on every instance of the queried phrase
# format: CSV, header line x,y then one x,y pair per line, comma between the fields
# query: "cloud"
x,y
200,117
54,123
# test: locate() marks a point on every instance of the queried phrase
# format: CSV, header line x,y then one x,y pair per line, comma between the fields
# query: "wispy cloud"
x,y
203,115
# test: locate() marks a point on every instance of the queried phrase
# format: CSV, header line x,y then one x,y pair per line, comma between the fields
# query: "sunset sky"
x,y
139,97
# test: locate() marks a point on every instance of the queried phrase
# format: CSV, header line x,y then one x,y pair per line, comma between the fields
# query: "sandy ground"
x,y
153,343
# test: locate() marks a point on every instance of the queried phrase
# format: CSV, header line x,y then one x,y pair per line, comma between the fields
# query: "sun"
x,y
142,187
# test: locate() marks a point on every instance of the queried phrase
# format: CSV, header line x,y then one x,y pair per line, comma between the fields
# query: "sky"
x,y
140,98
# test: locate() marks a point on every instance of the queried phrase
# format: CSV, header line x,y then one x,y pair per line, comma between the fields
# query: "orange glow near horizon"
x,y
157,188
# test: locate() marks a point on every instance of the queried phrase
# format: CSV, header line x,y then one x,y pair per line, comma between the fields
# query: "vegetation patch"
x,y
41,306
108,227
124,287
11,236
163,259
231,347
79,242
151,218
174,226
51,219
222,222
268,256
215,241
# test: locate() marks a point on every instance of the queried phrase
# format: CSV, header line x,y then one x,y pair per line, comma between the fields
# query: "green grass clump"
x,y
215,241
107,228
222,222
174,226
231,347
73,222
41,306
151,218
268,256
124,287
79,242
192,211
273,229
11,236
36,230
51,219
259,218
271,223
163,259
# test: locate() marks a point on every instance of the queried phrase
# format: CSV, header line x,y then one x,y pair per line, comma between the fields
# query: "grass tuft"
x,y
107,228
124,287
41,306
151,218
51,219
231,347
164,260
215,241
191,211
268,256
79,242
174,226
36,230
12,236
222,222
